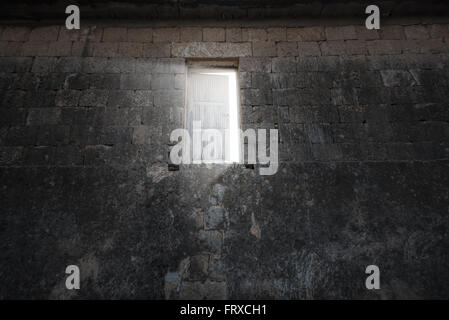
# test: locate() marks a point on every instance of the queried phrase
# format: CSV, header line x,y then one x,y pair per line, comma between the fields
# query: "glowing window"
x,y
212,115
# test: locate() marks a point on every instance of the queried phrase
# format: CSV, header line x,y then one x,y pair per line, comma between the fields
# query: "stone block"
x,y
115,135
256,97
234,35
135,81
277,34
71,35
13,116
284,80
130,98
15,64
20,136
69,156
15,34
264,49
416,32
130,116
105,49
142,135
255,64
308,48
115,35
13,99
333,48
392,78
42,116
191,34
156,50
254,34
180,81
166,35
163,81
366,34
40,98
438,31
305,34
81,49
169,98
167,66
93,98
68,64
67,98
104,81
341,33
261,80
210,241
139,35
214,34
245,80
120,65
284,64
287,49
392,32
382,47
198,290
355,47
35,48
59,48
216,269
49,33
43,64
52,135
211,49
420,46
214,218
130,49
197,269
40,156
10,48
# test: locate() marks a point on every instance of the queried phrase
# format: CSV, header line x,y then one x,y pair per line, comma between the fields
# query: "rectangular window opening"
x,y
213,114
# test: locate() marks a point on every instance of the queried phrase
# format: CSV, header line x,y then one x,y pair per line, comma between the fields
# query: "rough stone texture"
x,y
211,49
363,179
213,34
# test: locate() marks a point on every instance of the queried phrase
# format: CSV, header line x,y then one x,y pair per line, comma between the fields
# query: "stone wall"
x,y
363,121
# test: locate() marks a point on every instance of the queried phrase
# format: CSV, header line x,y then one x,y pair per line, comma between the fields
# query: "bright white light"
x,y
234,132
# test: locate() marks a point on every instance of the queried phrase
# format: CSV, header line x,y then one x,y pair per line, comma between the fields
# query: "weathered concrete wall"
x,y
363,118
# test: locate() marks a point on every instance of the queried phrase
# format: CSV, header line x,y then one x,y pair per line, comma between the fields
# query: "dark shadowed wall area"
x,y
363,120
